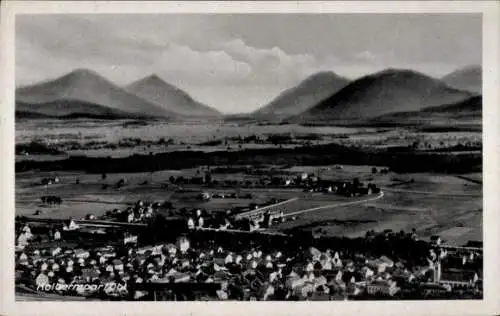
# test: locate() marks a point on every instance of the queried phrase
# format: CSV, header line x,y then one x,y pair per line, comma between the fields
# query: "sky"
x,y
239,62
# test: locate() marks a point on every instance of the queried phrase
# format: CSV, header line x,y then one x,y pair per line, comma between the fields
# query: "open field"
x,y
118,138
440,208
195,132
89,197
432,204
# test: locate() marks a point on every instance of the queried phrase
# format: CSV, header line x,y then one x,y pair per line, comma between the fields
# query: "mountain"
x,y
66,109
468,78
157,91
87,92
388,91
305,95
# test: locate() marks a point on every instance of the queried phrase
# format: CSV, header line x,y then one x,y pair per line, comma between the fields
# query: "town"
x,y
154,251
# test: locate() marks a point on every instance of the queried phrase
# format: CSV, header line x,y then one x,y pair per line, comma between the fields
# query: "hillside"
x,y
80,88
471,105
468,78
385,92
302,97
157,91
70,109
466,111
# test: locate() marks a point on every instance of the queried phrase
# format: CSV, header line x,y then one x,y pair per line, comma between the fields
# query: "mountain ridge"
x,y
161,93
303,96
87,86
467,78
384,92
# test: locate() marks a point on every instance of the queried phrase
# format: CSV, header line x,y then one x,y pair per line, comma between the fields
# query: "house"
x,y
181,277
50,180
304,290
82,254
22,240
402,275
41,280
336,261
183,244
367,273
322,293
436,240
205,196
434,289
294,281
352,289
266,291
319,281
381,264
190,223
382,287
118,265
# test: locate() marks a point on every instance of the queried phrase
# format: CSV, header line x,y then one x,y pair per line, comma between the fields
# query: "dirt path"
x,y
379,196
433,193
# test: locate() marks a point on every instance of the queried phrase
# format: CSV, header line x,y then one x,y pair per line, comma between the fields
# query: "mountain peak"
x,y
154,77
468,78
84,72
322,77
312,90
398,72
157,91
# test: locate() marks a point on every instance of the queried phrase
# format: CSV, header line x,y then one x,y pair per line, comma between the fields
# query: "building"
x,y
459,278
382,287
436,240
434,289
381,264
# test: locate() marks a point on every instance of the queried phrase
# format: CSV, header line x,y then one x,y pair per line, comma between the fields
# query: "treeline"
x,y
331,154
37,148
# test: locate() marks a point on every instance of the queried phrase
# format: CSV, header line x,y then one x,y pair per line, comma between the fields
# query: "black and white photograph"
x,y
326,156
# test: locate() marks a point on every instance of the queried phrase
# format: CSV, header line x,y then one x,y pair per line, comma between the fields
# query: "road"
x,y
323,207
433,193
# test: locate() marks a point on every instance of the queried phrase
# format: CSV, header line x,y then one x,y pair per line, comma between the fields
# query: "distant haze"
x,y
238,63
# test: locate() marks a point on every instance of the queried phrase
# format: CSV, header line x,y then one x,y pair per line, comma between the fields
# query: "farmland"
x,y
431,203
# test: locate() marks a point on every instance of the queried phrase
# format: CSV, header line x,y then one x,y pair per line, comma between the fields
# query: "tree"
x,y
356,183
171,179
167,205
374,170
104,176
208,178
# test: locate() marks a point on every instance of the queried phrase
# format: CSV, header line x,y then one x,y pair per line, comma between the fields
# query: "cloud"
x,y
201,66
365,55
270,64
